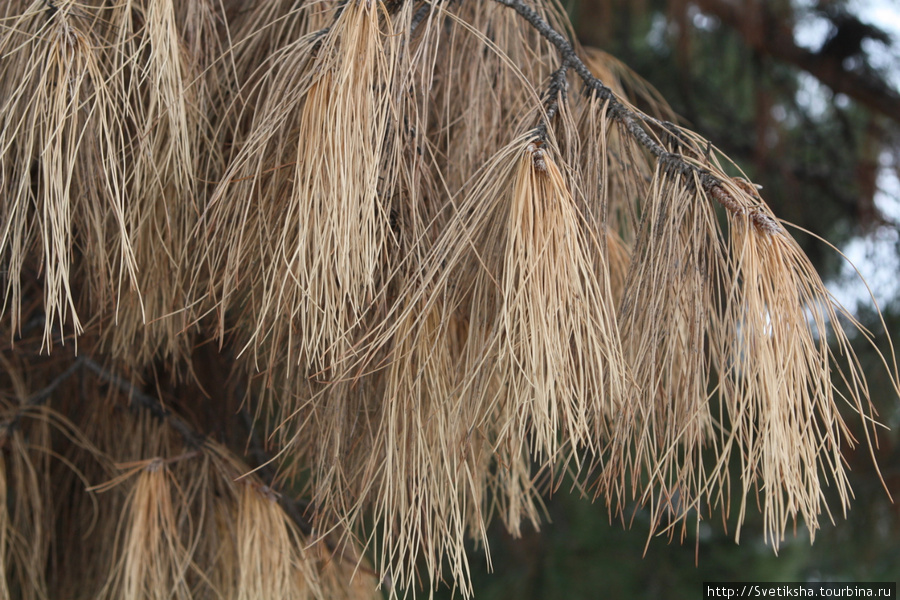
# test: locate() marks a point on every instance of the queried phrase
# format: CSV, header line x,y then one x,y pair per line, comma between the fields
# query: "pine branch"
x,y
555,90
631,121
195,440
37,399
148,403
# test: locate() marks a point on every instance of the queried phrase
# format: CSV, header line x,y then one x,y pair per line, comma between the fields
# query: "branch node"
x,y
537,156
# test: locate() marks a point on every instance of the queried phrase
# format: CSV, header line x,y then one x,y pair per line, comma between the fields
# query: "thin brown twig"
x,y
38,398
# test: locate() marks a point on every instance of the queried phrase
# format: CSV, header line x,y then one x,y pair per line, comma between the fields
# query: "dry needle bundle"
x,y
307,194
61,165
351,279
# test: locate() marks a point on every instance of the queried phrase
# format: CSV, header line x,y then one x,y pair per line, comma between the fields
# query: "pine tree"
x,y
300,296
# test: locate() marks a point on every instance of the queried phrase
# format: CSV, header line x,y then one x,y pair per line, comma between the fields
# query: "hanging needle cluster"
x,y
298,297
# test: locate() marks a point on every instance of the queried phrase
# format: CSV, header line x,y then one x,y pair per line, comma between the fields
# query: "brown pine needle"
x,y
448,257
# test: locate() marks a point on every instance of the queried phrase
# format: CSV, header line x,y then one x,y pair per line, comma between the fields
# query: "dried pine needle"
x,y
60,115
779,375
153,561
433,293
